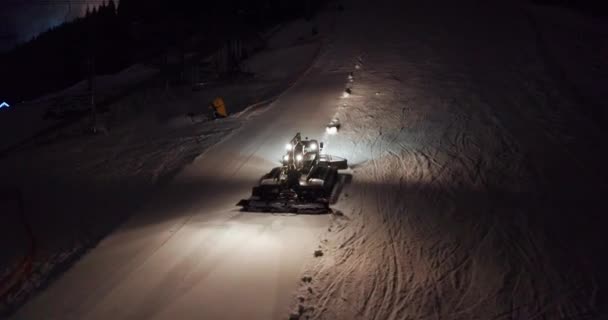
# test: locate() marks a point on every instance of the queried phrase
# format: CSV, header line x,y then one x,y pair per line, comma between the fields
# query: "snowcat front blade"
x,y
336,162
278,206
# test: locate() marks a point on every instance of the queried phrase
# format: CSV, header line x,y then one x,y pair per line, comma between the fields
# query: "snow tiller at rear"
x,y
303,184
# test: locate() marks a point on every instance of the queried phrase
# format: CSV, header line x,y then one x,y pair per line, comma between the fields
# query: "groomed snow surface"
x,y
77,187
475,188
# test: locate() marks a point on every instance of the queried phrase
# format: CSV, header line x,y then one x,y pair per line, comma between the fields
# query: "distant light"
x,y
4,105
299,157
288,147
286,158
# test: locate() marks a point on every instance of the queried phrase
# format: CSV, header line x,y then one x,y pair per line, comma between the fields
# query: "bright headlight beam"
x,y
313,146
286,157
299,157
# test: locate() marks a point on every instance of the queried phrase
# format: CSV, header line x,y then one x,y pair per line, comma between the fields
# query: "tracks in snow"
x,y
438,212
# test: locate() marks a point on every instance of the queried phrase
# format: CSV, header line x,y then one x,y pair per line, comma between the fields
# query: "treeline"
x,y
110,37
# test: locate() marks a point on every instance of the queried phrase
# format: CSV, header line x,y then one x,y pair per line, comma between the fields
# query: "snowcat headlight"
x,y
288,147
299,157
313,146
286,158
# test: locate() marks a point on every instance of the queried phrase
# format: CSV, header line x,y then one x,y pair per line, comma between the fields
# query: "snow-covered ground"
x,y
26,119
190,253
78,187
475,188
477,178
575,48
107,84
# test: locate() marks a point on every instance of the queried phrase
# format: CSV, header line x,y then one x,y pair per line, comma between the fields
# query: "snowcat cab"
x,y
304,182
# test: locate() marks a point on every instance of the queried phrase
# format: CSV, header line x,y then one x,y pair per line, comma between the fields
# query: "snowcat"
x,y
303,184
333,126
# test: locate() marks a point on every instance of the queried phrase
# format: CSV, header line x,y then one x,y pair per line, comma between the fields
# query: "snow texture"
x,y
475,189
78,187
477,174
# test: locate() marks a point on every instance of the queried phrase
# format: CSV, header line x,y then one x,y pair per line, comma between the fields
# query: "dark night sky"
x,y
20,20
